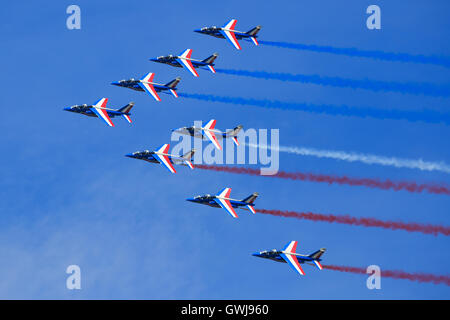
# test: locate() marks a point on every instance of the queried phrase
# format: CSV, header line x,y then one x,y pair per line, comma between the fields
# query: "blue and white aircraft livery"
x,y
185,60
146,84
99,110
228,32
289,255
223,200
209,132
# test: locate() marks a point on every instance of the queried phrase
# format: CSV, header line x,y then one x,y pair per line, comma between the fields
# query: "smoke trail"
x,y
396,274
364,158
374,54
364,222
428,89
429,116
342,180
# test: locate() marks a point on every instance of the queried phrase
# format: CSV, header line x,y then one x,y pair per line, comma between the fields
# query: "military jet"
x,y
162,156
289,255
185,60
210,133
222,199
99,110
228,32
146,84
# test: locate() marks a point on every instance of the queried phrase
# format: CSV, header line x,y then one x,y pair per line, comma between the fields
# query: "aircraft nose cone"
x,y
115,83
68,109
153,59
198,30
129,155
190,199
256,254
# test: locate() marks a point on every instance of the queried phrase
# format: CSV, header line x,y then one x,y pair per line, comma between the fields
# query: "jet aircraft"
x,y
146,84
99,110
162,156
185,60
228,32
222,199
209,131
289,255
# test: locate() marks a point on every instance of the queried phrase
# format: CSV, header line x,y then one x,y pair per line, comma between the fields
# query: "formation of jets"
x,y
147,84
207,132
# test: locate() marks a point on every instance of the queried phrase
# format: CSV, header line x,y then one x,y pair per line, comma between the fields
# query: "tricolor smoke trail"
x,y
359,157
357,221
373,54
429,89
396,274
428,116
342,180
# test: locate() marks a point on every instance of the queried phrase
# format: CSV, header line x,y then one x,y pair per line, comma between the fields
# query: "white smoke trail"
x,y
360,157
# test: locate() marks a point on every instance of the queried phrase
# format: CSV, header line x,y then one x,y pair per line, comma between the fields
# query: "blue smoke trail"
x,y
373,85
373,54
428,116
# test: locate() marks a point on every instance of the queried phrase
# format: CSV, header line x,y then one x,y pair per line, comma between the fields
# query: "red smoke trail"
x,y
365,222
330,179
396,274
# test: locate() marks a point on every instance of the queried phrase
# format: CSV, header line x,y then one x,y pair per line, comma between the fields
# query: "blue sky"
x,y
69,196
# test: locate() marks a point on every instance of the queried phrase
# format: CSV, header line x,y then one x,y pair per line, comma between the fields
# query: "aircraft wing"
x,y
210,134
225,203
100,111
162,155
185,61
292,259
228,32
146,84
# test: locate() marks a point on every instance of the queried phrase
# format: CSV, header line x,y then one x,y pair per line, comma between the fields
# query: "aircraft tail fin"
x,y
250,199
211,58
187,157
252,33
317,254
127,108
233,134
172,84
235,131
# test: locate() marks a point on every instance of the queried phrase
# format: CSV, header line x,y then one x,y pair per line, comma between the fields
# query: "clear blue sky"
x,y
69,196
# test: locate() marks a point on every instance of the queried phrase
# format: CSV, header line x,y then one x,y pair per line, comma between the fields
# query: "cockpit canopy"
x,y
203,197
